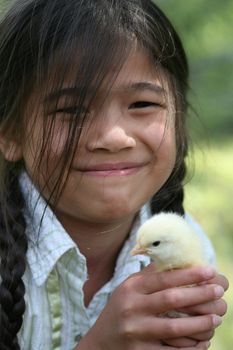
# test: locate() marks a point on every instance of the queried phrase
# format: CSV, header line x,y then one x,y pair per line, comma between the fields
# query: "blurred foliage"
x,y
4,4
208,198
206,29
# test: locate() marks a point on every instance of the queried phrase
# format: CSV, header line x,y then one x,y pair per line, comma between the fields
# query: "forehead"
x,y
70,79
137,66
137,73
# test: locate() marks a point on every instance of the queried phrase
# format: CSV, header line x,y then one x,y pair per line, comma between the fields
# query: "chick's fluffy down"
x,y
170,241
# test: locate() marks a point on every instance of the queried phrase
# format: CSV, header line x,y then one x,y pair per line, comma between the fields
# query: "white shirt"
x,y
55,316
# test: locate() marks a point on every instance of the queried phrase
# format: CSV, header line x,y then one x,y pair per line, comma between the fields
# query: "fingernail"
x,y
209,272
217,320
218,291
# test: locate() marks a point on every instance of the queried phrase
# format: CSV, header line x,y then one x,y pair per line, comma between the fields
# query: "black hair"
x,y
38,39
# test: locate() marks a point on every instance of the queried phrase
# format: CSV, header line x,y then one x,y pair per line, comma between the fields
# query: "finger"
x,y
152,328
203,345
221,280
218,307
152,346
181,342
176,298
187,342
203,336
150,281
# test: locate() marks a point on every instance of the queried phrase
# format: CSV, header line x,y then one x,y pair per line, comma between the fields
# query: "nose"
x,y
112,132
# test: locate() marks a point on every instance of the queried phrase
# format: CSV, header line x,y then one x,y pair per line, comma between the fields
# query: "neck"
x,y
100,243
97,240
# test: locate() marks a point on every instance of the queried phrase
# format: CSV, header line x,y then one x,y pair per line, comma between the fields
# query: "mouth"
x,y
110,170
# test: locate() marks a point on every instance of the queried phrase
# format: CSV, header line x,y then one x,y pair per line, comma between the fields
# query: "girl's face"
x,y
126,151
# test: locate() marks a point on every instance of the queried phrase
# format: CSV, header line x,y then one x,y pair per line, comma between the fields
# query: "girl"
x,y
93,141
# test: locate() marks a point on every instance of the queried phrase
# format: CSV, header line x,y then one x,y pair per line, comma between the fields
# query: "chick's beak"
x,y
138,250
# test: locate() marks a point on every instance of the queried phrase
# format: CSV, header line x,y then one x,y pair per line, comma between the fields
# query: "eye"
x,y
68,110
143,104
156,243
72,110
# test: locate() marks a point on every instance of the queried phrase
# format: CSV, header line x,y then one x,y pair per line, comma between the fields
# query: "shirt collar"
x,y
48,240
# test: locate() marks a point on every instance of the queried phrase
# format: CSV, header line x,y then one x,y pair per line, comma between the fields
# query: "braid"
x,y
13,247
170,197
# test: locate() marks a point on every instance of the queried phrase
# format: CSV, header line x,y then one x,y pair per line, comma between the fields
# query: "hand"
x,y
131,321
217,307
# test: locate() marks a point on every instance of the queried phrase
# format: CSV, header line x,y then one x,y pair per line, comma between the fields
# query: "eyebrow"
x,y
68,91
75,91
143,86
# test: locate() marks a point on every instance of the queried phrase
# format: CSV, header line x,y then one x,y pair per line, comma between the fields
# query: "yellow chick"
x,y
170,242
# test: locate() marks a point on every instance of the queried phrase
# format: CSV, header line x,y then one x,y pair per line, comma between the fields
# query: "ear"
x,y
11,150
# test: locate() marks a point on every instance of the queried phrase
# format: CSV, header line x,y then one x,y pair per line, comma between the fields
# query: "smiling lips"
x,y
108,170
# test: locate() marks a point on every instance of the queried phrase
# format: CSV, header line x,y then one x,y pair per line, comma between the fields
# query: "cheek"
x,y
162,143
43,154
58,141
159,136
49,144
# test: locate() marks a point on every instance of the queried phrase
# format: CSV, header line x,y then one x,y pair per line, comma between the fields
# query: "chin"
x,y
118,210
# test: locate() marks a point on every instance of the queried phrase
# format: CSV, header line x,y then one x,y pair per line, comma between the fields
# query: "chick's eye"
x,y
156,243
142,104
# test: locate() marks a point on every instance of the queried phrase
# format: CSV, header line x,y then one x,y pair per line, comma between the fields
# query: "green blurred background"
x,y
206,27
